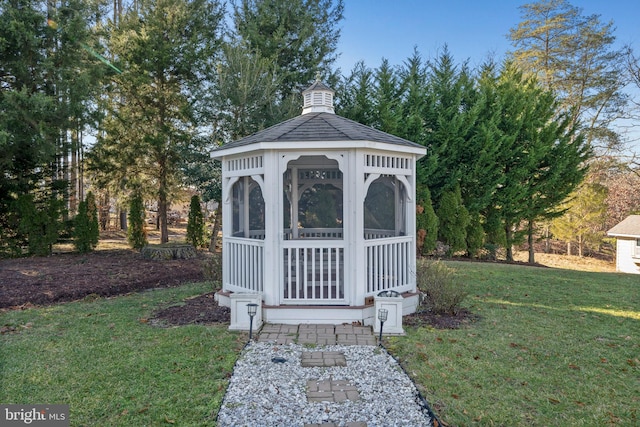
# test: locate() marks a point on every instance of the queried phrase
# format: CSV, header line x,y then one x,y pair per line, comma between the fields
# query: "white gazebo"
x,y
319,218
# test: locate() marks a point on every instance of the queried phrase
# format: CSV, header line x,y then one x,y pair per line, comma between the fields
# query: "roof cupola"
x,y
318,98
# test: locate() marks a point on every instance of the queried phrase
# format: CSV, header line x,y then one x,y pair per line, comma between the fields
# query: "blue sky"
x,y
472,29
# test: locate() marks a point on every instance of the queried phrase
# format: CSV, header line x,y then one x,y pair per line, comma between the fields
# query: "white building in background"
x,y
627,234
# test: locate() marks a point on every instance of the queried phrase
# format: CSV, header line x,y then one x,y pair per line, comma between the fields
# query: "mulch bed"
x,y
200,310
65,277
69,277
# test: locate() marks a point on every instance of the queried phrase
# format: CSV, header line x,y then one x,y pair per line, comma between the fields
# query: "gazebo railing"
x,y
388,264
313,273
314,233
243,265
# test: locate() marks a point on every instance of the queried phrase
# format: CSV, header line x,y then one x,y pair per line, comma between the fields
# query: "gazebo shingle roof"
x,y
628,227
319,127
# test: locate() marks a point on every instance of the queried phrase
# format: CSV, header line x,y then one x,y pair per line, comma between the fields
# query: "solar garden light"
x,y
252,309
382,316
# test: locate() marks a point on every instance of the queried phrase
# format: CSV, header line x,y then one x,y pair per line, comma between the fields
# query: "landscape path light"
x,y
252,309
382,316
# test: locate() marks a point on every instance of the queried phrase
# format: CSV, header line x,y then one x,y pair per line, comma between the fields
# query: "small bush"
x,y
136,232
442,289
213,268
195,226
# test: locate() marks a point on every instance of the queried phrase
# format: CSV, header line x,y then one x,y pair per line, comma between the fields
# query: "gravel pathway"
x,y
266,390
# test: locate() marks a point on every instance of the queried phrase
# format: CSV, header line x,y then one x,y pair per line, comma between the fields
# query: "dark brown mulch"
x,y
69,277
199,310
462,318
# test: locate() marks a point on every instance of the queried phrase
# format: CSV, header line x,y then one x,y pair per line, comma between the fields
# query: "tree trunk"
x,y
569,248
509,238
217,222
580,246
532,254
162,214
123,220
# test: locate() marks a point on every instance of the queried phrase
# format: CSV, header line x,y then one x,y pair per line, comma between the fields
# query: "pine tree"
x,y
167,51
299,36
574,55
195,224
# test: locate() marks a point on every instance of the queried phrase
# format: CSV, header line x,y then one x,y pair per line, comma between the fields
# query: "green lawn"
x,y
113,368
551,348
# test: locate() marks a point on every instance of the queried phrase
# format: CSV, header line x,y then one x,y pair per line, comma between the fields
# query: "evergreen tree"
x,y
195,224
453,221
167,51
48,78
354,96
475,235
81,229
136,231
92,213
426,222
386,99
299,36
450,117
543,157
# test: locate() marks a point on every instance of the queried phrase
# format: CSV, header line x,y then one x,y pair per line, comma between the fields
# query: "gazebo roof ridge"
x,y
318,122
316,127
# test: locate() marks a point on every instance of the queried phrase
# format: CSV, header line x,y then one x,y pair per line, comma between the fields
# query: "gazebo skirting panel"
x,y
313,271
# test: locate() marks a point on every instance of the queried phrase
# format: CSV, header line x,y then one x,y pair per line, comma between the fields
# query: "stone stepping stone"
x,y
322,359
351,424
331,391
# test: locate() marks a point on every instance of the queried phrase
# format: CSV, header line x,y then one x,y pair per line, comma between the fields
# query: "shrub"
x,y
213,268
136,232
92,212
440,286
81,239
85,231
454,220
426,222
195,225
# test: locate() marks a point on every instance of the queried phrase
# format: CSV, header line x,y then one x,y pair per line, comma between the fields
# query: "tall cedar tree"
x,y
166,50
574,55
545,159
195,224
299,36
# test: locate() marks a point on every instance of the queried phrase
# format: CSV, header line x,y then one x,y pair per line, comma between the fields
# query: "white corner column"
x,y
240,319
393,324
